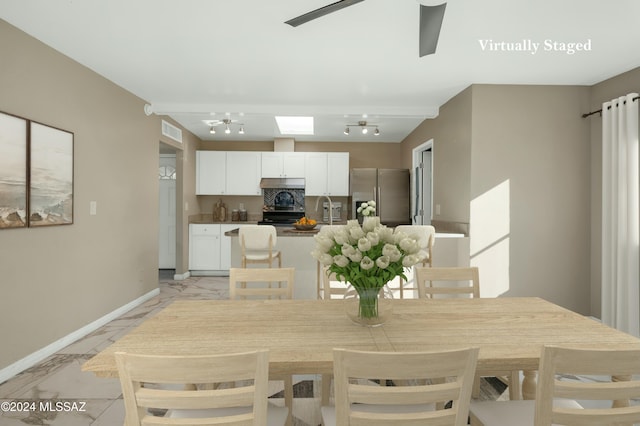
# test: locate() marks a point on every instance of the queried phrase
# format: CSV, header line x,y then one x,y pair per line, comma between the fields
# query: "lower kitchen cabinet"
x,y
209,248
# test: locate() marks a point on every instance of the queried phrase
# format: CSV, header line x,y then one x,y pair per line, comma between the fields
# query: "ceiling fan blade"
x,y
321,12
430,23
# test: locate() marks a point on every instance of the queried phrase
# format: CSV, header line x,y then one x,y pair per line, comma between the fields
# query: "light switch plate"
x,y
93,208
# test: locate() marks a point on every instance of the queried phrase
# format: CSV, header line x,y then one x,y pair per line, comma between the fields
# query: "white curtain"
x,y
621,215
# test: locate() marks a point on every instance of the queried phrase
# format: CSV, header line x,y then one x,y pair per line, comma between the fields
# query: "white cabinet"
x,y
228,173
204,247
243,173
209,248
211,172
338,173
283,164
327,173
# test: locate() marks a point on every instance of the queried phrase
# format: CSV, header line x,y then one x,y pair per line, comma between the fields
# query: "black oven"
x,y
280,217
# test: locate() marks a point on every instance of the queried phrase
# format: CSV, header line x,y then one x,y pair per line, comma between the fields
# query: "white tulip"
x,y
366,263
340,260
364,244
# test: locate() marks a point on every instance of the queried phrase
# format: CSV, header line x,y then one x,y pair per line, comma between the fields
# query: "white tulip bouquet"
x,y
367,256
367,208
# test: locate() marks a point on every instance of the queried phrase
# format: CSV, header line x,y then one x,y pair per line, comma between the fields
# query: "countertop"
x,y
208,219
282,231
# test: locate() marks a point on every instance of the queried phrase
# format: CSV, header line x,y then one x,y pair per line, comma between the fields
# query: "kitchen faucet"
x,y
330,208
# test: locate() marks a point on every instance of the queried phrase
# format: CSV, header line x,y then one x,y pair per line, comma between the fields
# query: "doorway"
x,y
422,185
167,210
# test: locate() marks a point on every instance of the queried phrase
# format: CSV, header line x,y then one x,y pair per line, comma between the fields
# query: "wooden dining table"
x,y
301,334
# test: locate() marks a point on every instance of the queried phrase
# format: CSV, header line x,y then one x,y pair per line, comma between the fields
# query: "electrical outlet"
x,y
437,209
93,208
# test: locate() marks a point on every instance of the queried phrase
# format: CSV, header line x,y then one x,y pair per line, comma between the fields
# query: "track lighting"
x,y
227,123
364,128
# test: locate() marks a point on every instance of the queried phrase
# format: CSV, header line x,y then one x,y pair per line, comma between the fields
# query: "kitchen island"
x,y
296,247
450,249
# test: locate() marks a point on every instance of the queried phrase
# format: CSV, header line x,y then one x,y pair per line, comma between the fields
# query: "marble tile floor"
x,y
91,401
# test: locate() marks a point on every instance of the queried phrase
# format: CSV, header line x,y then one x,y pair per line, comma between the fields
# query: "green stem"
x,y
368,302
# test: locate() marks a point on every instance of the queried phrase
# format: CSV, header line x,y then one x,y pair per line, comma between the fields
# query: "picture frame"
x,y
50,176
13,171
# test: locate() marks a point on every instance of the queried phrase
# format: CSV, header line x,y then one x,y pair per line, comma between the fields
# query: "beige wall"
x,y
530,192
56,280
514,162
620,85
451,134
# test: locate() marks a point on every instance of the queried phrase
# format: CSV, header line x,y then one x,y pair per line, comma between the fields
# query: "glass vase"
x,y
369,307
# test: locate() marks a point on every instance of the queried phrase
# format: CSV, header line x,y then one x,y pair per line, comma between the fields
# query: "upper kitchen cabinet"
x,y
283,164
228,173
211,172
327,173
243,172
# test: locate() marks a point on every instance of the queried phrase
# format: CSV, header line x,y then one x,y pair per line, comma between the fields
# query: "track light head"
x,y
364,128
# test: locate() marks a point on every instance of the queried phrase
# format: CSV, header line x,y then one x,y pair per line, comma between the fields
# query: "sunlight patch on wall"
x,y
490,225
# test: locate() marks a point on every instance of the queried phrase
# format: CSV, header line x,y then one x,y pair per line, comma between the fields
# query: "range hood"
x,y
282,183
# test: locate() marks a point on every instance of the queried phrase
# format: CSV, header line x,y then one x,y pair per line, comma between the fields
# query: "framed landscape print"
x,y
13,171
51,176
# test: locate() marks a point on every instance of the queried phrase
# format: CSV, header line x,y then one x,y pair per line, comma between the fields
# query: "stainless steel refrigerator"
x,y
389,188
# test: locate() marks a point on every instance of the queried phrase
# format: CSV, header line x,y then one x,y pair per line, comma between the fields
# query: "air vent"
x,y
171,131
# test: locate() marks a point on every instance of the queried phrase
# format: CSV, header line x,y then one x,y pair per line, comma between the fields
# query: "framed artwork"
x,y
50,176
13,171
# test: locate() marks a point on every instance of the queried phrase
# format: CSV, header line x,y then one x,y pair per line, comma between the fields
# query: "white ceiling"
x,y
204,59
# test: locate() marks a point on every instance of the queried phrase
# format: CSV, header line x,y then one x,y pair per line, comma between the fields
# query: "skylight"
x,y
295,125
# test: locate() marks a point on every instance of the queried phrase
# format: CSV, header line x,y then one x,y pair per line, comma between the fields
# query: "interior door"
x,y
425,207
167,213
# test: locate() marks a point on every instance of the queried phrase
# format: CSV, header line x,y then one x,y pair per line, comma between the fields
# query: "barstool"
x,y
257,243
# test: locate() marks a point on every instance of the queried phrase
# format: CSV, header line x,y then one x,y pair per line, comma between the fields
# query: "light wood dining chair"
x,y
258,279
244,282
332,288
448,281
557,396
447,376
461,282
425,234
149,383
257,243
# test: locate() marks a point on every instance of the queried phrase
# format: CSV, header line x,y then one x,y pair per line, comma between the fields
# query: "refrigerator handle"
x,y
377,199
417,188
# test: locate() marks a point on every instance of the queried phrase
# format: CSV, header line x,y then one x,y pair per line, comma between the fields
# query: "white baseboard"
x,y
35,357
180,277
